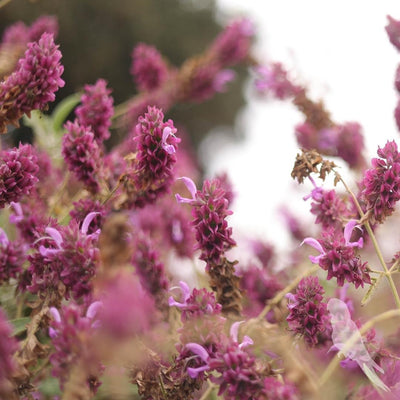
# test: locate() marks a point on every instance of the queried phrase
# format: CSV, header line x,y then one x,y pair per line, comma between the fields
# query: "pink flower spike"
x,y
86,222
198,350
93,309
348,230
192,189
3,238
55,235
169,148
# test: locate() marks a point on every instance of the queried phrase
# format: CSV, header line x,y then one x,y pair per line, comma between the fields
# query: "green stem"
x,y
374,242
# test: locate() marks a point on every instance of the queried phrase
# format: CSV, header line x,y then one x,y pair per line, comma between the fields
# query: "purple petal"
x,y
348,230
52,333
246,342
55,235
313,243
198,350
234,331
169,148
222,78
192,189
86,222
194,372
45,252
93,309
55,314
185,290
14,219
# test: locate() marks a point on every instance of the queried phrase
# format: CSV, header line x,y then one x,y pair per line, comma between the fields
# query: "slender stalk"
x,y
209,390
330,369
110,194
374,242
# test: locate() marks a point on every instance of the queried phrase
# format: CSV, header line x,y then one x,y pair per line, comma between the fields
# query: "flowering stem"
x,y
280,295
374,242
368,325
210,388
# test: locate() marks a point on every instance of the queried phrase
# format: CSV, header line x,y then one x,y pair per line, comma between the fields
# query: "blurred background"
x,y
339,50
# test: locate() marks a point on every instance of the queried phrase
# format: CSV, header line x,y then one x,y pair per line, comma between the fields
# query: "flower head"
x,y
18,173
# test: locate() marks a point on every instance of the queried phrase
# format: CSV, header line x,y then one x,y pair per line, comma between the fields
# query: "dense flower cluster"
x,y
18,170
337,256
96,110
82,154
308,314
381,183
33,84
12,256
151,171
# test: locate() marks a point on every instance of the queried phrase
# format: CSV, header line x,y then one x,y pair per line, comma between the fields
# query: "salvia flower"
x,y
381,183
84,207
151,172
308,313
148,67
18,173
96,110
12,256
337,256
328,207
33,84
65,261
82,155
210,209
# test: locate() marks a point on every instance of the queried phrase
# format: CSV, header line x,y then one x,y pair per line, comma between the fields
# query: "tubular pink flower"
x,y
192,190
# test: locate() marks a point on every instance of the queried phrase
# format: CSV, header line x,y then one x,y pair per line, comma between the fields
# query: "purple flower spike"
x,y
192,189
169,148
348,230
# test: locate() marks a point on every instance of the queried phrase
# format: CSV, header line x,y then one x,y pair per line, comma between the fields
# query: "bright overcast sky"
x,y
340,50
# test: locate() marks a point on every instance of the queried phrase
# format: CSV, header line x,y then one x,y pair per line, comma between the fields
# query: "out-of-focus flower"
x,y
393,31
148,67
12,256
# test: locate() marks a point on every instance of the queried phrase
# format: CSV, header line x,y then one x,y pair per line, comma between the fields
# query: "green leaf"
x,y
371,290
63,109
19,325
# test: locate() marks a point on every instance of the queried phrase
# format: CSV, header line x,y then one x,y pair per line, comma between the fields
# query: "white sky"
x,y
340,50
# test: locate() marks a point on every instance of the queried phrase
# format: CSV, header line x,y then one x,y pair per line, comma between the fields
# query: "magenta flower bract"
x,y
148,67
82,155
337,256
33,84
18,173
96,110
308,313
381,183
